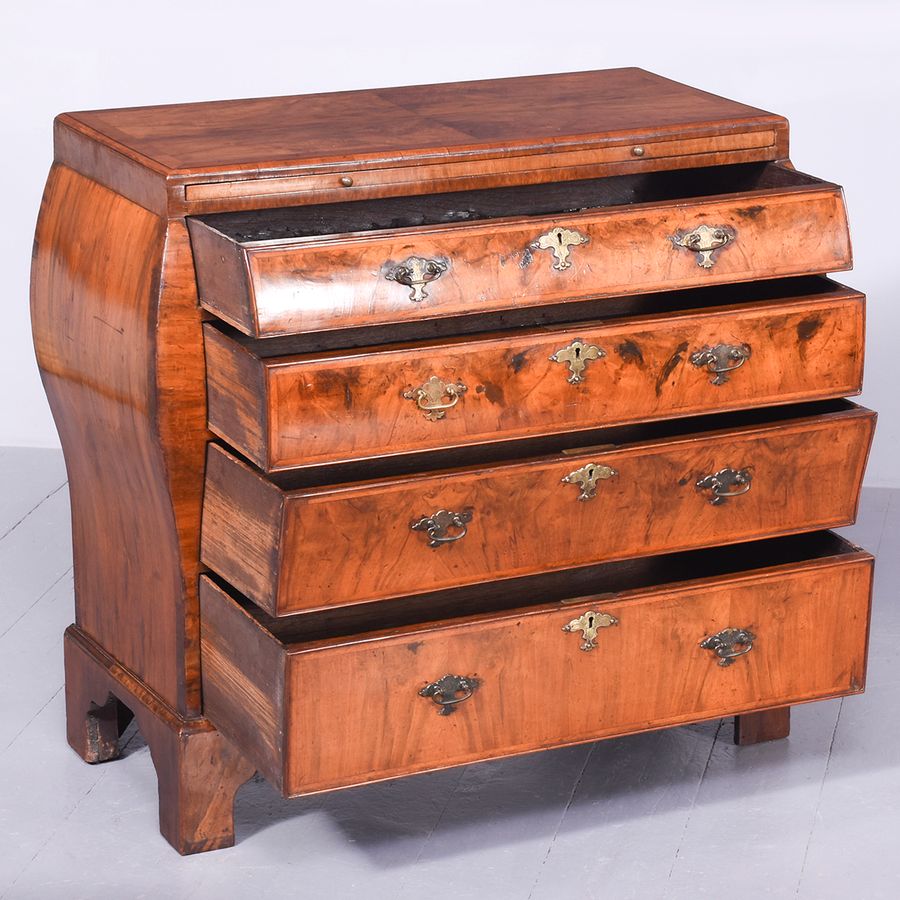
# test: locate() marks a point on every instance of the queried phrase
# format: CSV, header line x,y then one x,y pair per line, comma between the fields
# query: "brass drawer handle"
x,y
704,240
577,355
559,241
430,397
723,644
725,483
415,272
446,691
587,478
438,525
588,624
721,359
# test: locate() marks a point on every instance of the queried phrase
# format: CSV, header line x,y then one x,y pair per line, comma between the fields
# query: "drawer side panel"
x,y
243,680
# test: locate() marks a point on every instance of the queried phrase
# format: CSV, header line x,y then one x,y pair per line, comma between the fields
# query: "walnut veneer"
x,y
375,404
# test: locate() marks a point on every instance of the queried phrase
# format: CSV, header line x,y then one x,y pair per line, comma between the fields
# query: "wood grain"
x,y
237,153
199,771
307,409
537,688
315,547
353,184
471,173
118,341
321,282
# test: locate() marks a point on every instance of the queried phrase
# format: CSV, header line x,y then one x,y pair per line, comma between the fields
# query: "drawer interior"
x,y
559,315
555,198
578,586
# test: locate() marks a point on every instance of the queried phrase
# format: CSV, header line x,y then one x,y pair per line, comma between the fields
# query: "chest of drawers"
x,y
416,427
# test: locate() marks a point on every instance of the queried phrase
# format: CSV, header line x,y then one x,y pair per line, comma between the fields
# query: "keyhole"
x,y
590,621
578,353
559,239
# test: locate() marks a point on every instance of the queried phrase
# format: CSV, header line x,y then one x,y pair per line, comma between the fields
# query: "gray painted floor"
x,y
677,813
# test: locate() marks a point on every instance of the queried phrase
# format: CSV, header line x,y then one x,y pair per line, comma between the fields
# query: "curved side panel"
x,y
181,422
97,283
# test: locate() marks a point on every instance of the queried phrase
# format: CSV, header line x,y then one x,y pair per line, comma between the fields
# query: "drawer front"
x,y
531,682
286,412
317,284
297,550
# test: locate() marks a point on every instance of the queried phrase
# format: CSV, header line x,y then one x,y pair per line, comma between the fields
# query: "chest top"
x,y
214,156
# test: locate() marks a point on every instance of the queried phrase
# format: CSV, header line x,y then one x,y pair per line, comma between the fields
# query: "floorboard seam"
x,y
690,811
18,734
34,604
59,823
40,502
401,887
562,817
815,818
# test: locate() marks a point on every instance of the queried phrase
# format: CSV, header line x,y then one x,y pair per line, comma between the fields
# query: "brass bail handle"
x,y
721,359
435,397
725,483
415,272
724,643
449,691
444,526
706,241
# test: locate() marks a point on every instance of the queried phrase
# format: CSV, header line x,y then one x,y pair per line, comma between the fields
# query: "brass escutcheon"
x,y
588,624
723,643
578,354
704,240
438,525
725,483
430,397
560,242
416,272
721,359
445,691
587,478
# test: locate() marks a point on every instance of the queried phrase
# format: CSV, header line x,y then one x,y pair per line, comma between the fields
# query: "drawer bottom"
x,y
735,630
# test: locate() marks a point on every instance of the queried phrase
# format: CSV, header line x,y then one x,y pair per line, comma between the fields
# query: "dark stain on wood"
x,y
671,364
750,212
517,361
807,327
527,258
493,392
628,351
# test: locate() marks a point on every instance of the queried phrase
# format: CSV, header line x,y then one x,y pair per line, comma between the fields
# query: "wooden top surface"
x,y
455,120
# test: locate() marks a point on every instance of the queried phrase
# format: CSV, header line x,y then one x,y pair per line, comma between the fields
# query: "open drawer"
x,y
650,357
321,267
299,541
320,701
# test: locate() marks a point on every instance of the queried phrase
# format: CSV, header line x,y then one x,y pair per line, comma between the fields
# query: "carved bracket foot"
x,y
198,770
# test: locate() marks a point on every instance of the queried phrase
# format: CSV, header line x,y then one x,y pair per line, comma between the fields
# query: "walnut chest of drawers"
x,y
415,427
